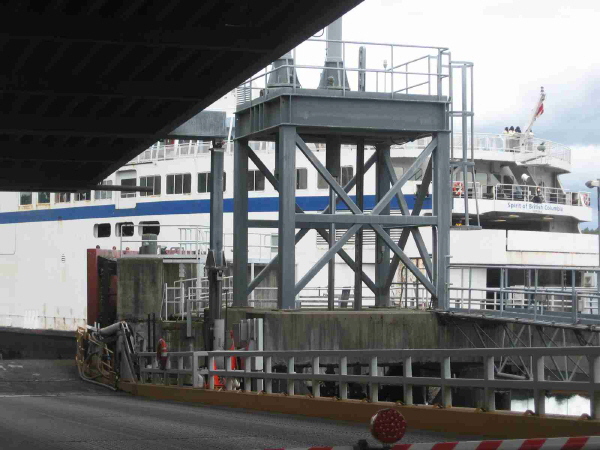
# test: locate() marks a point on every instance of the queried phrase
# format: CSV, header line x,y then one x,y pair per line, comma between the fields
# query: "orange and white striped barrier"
x,y
566,443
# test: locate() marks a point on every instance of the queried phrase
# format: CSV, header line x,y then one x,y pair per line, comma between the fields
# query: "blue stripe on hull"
x,y
159,208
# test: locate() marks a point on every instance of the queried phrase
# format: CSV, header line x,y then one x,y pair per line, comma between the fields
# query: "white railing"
x,y
162,152
191,295
501,143
262,246
536,194
578,303
192,241
522,193
340,360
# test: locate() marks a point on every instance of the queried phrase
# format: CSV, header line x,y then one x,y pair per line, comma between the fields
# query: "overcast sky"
x,y
516,46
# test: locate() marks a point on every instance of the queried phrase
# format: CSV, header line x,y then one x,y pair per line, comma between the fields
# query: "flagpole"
x,y
536,114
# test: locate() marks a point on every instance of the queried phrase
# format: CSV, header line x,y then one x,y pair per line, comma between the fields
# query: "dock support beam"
x,y
240,223
216,230
358,239
442,208
286,168
382,251
332,164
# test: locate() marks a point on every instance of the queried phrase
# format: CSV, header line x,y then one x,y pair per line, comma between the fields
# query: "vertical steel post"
x,y
344,372
382,251
539,395
443,210
446,374
573,297
286,163
594,362
240,223
373,386
216,230
464,143
332,163
489,401
408,389
290,369
358,238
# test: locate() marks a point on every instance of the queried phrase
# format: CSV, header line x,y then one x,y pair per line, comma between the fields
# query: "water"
x,y
571,405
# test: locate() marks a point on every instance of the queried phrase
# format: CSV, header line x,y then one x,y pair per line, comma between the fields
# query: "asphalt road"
x,y
44,405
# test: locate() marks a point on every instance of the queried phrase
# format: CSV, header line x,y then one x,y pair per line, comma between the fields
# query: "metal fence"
x,y
391,69
315,377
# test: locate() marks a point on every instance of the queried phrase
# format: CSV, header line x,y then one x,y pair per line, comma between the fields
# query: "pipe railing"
x,y
340,360
420,78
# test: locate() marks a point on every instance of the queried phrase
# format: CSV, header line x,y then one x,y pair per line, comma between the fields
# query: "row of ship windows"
x,y
126,229
176,184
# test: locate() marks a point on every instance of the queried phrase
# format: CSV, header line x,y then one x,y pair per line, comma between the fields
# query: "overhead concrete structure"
x,y
88,85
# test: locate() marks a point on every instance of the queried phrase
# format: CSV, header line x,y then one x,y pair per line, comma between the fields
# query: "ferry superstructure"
x,y
44,235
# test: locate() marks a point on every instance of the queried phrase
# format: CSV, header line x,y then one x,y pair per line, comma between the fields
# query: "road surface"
x,y
43,405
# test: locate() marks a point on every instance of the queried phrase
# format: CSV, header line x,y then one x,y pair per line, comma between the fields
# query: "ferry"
x,y
522,233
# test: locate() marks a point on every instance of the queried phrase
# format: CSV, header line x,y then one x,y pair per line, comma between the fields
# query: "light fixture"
x,y
513,216
548,218
499,220
593,184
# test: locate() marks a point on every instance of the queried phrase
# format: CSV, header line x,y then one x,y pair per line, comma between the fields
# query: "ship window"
x,y
125,229
83,196
62,197
256,180
204,179
104,195
301,178
43,197
102,230
151,227
179,183
347,174
321,183
153,182
25,198
128,182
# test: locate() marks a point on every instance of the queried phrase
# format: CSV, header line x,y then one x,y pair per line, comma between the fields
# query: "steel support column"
x,y
442,205
286,165
332,164
382,251
240,223
358,239
216,231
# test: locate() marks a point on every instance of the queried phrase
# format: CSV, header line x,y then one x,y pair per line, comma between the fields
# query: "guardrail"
x,y
187,365
374,379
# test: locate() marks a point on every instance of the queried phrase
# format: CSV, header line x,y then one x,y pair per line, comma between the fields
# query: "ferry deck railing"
x,y
187,364
522,193
484,142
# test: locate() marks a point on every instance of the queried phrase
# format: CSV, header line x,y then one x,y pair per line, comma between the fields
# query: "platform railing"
x,y
391,69
340,360
579,303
